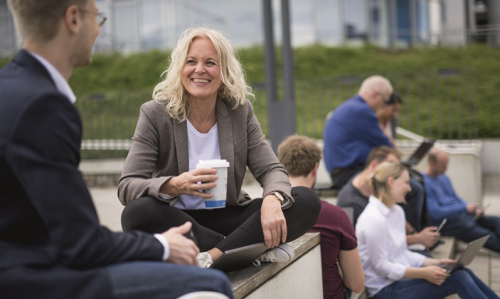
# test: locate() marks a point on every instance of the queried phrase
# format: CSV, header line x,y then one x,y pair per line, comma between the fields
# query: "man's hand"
x,y
428,236
182,250
472,207
479,212
273,221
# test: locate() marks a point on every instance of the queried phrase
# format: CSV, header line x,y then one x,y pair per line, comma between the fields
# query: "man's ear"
x,y
72,18
314,171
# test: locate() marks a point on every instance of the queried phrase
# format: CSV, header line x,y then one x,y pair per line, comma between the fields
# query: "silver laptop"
x,y
419,153
239,258
467,256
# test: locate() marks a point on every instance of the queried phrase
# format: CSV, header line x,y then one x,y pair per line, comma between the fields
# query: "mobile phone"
x,y
441,225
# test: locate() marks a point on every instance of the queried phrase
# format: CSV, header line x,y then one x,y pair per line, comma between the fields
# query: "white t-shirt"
x,y
200,147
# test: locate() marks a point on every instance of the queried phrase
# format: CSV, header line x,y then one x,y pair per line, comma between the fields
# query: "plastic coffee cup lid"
x,y
212,163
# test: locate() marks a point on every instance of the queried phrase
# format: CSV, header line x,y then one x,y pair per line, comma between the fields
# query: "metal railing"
x,y
438,104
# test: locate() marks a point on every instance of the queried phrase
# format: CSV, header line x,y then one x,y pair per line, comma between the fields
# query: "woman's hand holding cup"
x,y
187,183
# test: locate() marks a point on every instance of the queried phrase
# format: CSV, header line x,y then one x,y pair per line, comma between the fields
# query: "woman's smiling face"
x,y
201,72
400,187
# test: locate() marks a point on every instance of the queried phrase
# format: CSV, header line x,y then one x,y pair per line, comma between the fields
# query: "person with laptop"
x,y
356,193
301,156
393,271
466,221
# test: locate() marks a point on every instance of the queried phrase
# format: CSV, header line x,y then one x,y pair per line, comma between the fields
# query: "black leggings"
x,y
240,224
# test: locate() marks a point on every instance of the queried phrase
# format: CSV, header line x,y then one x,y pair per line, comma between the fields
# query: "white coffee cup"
x,y
219,192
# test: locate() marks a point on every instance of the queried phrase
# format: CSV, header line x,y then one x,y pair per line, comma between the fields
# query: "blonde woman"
x,y
391,270
200,112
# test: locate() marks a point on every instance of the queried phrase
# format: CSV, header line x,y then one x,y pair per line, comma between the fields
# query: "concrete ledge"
x,y
248,280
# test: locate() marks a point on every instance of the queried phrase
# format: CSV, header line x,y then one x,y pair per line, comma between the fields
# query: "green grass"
x,y
127,81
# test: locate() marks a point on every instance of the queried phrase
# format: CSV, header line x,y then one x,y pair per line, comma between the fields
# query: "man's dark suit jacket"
x,y
51,244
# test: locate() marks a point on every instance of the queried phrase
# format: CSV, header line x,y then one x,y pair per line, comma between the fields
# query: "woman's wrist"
x,y
270,197
168,188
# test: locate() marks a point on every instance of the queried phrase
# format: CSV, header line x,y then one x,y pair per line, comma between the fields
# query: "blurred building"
x,y
9,42
141,25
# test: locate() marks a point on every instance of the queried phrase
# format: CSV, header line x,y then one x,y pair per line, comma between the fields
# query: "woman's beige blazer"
x,y
160,151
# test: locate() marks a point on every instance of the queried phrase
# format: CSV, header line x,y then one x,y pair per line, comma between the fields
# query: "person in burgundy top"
x,y
341,262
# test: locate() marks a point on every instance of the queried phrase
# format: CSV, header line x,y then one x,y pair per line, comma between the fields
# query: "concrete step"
x,y
267,280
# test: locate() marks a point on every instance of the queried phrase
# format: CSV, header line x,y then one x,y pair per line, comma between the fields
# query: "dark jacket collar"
x,y
25,59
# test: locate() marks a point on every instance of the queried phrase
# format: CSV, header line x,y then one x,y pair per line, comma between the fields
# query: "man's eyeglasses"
x,y
100,17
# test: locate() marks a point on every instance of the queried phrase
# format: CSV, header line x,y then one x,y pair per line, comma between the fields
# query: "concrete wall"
x,y
454,23
494,21
490,156
302,279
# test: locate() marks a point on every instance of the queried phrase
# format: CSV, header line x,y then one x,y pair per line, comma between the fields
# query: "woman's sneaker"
x,y
282,253
204,260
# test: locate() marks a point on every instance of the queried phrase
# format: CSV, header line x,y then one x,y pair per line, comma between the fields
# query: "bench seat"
x,y
283,280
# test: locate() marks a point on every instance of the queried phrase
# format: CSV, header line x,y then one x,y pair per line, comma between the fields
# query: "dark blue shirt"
x,y
350,134
442,201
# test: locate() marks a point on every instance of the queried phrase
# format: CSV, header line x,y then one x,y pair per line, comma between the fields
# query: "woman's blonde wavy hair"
x,y
171,92
379,180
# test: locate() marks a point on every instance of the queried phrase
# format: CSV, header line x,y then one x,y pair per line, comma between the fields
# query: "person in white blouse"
x,y
391,270
201,112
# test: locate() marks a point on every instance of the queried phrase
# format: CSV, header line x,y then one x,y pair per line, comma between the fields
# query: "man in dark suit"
x,y
51,244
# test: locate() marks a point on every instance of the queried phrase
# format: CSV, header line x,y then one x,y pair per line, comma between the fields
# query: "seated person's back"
x,y
300,155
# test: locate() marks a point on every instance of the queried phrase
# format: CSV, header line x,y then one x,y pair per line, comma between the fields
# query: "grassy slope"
x,y
140,72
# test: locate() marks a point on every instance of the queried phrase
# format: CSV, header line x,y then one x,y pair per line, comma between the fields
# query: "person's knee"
x,y
219,281
306,198
462,276
308,204
141,212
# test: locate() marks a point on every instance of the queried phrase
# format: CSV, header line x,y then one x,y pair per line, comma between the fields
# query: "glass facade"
x,y
142,25
356,21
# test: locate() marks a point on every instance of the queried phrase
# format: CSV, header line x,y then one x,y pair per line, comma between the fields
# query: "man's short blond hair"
x,y
299,155
38,20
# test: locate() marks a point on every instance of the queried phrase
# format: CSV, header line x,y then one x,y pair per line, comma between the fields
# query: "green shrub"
x,y
119,77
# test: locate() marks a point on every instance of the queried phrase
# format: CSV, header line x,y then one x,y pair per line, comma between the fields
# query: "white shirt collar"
x,y
380,205
61,83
